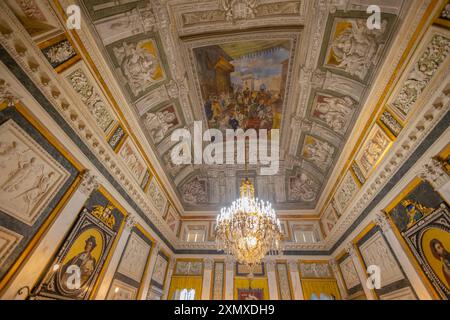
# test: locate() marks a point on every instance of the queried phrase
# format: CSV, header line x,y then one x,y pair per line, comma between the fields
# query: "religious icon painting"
x,y
429,240
81,258
422,217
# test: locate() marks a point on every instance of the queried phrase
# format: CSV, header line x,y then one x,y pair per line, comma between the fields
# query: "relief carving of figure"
x,y
374,150
156,196
335,112
355,49
37,191
132,161
139,65
17,176
319,152
302,188
194,192
91,99
159,124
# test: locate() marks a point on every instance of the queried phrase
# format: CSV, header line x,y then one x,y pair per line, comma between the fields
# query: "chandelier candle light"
x,y
249,228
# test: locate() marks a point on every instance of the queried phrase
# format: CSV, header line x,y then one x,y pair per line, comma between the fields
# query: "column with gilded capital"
x,y
295,278
272,279
421,290
130,222
168,279
339,279
149,272
208,265
362,275
229,278
44,250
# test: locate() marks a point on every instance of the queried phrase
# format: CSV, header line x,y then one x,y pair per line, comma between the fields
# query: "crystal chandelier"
x,y
248,229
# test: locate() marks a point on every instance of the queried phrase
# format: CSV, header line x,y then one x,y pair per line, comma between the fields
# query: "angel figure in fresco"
x,y
159,124
440,253
84,260
18,176
356,47
139,66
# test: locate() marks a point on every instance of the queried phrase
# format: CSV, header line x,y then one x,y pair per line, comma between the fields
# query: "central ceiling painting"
x,y
243,84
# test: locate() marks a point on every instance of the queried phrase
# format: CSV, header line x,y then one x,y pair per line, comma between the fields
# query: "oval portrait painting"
x,y
436,249
81,261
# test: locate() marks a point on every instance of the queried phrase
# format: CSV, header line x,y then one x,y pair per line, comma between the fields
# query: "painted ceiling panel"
x,y
243,66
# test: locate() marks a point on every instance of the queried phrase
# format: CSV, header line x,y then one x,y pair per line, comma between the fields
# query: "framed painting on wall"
x,y
37,176
79,261
250,294
429,241
422,220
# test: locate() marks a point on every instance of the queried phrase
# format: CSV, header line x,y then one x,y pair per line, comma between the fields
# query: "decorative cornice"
x,y
435,173
208,263
130,222
88,183
383,222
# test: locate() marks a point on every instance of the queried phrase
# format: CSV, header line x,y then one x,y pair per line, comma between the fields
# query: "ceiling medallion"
x,y
248,229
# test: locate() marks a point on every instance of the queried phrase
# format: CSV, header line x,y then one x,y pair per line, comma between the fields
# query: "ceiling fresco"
x,y
307,74
243,84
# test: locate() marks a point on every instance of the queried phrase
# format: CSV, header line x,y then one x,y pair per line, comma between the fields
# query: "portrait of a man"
x,y
440,253
85,261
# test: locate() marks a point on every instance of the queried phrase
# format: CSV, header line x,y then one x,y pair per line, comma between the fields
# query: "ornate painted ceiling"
x,y
304,67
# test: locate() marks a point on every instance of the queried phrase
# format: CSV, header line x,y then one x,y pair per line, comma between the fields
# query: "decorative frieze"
x,y
422,72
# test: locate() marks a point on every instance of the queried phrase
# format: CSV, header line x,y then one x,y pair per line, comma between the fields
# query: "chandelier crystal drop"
x,y
248,229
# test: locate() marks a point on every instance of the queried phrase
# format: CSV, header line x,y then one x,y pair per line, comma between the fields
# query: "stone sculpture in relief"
x,y
139,64
319,152
157,197
302,188
91,98
218,281
8,242
376,252
315,270
134,258
239,9
355,47
29,176
195,192
422,73
346,191
335,112
132,160
59,53
349,274
373,149
160,270
159,123
283,277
